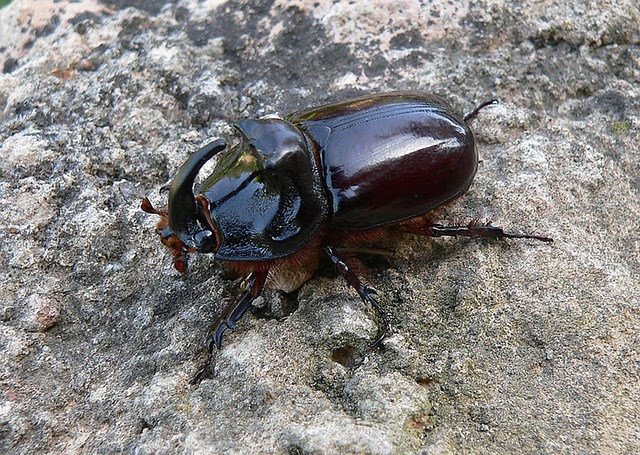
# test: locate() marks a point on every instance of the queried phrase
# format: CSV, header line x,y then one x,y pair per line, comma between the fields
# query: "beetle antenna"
x,y
147,207
471,115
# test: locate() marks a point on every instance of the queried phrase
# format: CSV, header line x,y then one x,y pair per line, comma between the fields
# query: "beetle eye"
x,y
205,241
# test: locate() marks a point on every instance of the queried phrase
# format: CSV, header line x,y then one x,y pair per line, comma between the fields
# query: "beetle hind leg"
x,y
473,230
364,292
471,115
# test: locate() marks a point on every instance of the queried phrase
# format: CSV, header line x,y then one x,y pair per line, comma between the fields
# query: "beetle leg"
x,y
365,292
476,231
230,317
471,115
234,312
353,250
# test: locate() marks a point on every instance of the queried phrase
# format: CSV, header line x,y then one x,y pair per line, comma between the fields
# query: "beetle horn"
x,y
183,211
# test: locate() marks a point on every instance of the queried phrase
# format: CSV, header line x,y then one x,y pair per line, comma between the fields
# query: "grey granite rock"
x,y
497,346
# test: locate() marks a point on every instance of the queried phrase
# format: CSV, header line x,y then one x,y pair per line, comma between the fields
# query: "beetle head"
x,y
184,226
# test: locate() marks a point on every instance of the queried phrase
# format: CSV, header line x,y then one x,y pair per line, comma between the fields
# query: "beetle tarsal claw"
x,y
471,115
530,236
378,341
371,290
365,294
207,370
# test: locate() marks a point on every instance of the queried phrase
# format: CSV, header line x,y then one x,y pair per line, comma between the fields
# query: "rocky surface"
x,y
497,346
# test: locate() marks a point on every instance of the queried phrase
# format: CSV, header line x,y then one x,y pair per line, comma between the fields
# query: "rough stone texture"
x,y
497,346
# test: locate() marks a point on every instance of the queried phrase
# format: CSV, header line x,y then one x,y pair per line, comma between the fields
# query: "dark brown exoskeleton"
x,y
296,189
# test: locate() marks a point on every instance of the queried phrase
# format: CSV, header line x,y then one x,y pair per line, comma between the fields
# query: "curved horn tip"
x,y
183,210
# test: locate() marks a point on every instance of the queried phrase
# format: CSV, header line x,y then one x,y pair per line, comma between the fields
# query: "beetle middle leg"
x,y
230,317
365,292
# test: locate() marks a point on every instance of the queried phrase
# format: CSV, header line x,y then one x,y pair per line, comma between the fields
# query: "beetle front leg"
x,y
365,292
230,317
234,312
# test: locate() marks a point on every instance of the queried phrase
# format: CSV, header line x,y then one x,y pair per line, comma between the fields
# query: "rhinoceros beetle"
x,y
296,189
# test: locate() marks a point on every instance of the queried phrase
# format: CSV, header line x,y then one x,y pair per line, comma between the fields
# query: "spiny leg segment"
x,y
230,317
365,292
